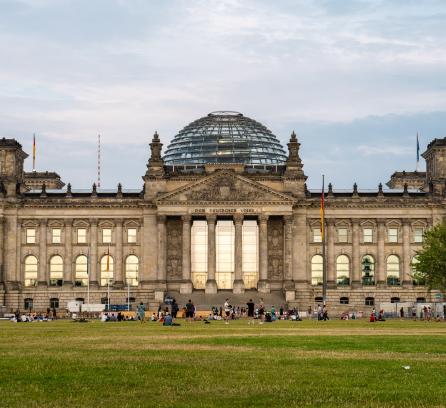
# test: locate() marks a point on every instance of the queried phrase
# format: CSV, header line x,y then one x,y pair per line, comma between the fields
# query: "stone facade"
x,y
44,235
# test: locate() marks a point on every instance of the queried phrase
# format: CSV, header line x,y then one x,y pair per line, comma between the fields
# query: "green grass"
x,y
284,364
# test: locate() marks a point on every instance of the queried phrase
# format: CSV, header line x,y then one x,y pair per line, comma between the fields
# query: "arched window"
x,y
342,270
368,270
56,271
318,299
106,270
421,300
81,271
131,270
30,270
395,299
317,269
370,301
416,280
393,270
344,300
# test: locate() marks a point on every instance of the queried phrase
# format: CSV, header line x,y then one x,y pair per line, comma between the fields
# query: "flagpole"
x,y
418,154
128,295
34,152
324,263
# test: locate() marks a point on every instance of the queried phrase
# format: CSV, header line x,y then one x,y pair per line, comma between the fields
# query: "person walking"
x,y
227,309
250,305
141,312
261,311
190,310
174,309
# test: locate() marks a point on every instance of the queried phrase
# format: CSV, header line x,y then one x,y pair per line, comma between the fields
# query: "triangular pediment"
x,y
224,187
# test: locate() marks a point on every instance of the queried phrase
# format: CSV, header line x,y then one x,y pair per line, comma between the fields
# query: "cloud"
x,y
384,150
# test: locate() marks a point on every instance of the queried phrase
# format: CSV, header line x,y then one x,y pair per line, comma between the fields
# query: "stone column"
x,y
2,246
407,270
211,283
238,285
93,266
118,264
186,285
263,285
356,265
380,278
288,250
42,276
68,262
301,271
331,267
162,249
149,250
12,260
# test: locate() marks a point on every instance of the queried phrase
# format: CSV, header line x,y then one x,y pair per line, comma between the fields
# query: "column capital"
x,y
43,221
186,218
330,221
211,218
118,221
161,219
355,221
238,219
93,222
406,221
381,221
263,218
68,222
288,219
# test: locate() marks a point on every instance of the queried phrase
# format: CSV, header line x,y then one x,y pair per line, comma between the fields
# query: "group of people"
x,y
377,317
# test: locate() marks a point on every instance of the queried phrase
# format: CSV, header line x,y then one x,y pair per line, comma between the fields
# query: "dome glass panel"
x,y
225,137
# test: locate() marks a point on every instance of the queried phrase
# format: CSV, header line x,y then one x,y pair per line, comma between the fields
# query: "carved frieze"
x,y
275,248
174,248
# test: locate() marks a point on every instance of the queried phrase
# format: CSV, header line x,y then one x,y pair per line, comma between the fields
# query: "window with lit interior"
x,y
342,270
393,270
30,270
81,271
317,263
56,271
131,270
106,270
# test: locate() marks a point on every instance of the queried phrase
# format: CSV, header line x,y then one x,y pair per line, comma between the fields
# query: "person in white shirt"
x,y
227,310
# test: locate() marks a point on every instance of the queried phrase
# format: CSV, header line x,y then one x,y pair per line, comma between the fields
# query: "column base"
x,y
118,285
159,296
288,285
290,295
263,286
68,284
186,288
211,287
238,287
407,284
356,284
42,284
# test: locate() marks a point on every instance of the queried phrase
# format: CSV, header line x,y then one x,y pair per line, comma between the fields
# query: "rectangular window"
x,y
81,235
342,235
392,235
56,235
30,235
317,235
106,235
367,235
418,235
131,235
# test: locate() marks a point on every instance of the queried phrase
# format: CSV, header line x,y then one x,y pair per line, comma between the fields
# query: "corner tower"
x,y
435,157
12,181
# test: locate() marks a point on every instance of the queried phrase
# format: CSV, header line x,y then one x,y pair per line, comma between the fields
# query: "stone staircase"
x,y
203,301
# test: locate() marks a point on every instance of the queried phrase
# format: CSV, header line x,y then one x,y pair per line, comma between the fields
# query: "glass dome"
x,y
225,137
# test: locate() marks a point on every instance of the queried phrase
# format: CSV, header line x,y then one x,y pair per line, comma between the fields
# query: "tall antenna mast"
x,y
99,161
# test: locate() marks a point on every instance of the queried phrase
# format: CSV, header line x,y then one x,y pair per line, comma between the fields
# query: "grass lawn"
x,y
283,364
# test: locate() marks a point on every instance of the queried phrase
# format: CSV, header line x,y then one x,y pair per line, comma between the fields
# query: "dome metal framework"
x,y
225,137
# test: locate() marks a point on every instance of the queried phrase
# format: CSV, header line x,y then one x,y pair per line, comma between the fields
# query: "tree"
x,y
431,265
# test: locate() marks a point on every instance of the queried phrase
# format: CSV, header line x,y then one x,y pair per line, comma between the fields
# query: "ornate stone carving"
x,y
275,248
174,248
224,188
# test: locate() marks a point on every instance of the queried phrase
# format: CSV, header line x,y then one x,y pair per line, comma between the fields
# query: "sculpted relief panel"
x,y
224,188
174,248
275,248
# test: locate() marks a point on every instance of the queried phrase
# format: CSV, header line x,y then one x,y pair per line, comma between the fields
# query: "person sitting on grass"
x,y
168,320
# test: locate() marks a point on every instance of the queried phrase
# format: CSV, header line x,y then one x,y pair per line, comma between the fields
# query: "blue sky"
x,y
356,80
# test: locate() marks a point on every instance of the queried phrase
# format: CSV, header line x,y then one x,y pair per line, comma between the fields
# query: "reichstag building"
x,y
223,211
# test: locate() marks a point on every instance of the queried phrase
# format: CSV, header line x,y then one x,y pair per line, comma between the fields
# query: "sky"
x,y
356,80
